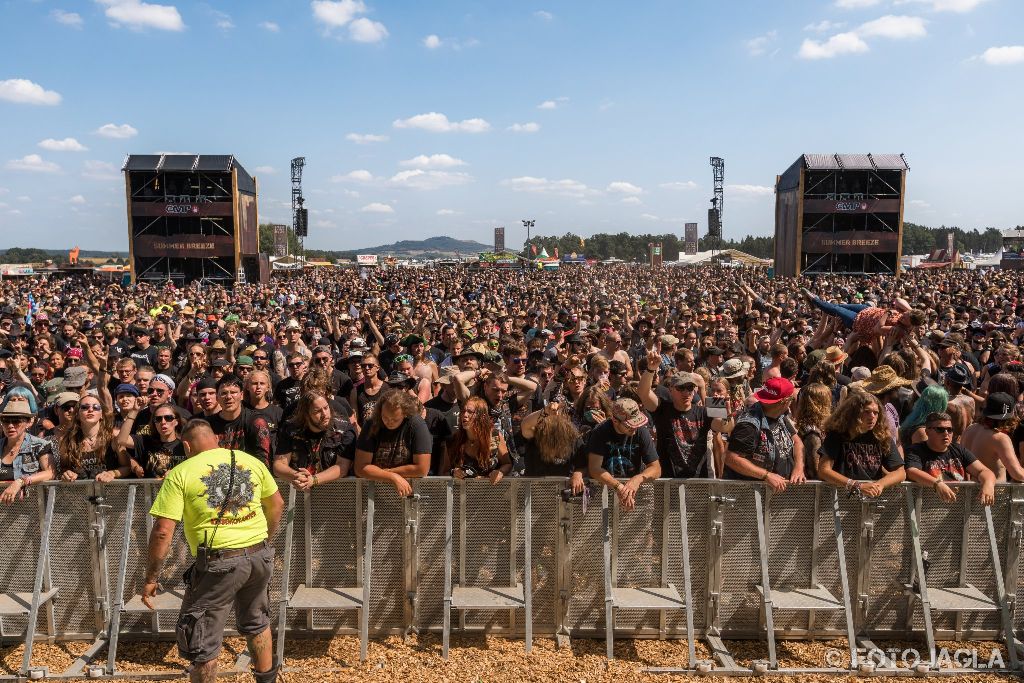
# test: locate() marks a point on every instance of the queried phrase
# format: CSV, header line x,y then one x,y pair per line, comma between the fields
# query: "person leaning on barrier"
x,y
229,506
394,444
859,451
764,445
24,459
478,448
554,447
622,447
315,446
937,460
160,449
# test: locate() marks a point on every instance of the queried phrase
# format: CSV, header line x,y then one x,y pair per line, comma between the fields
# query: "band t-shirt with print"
x,y
862,457
681,437
396,447
316,451
158,457
194,491
622,455
950,465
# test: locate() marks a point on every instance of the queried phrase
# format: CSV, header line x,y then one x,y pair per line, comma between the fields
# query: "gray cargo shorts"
x,y
242,581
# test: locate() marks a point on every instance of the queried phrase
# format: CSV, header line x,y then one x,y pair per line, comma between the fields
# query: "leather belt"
x,y
238,552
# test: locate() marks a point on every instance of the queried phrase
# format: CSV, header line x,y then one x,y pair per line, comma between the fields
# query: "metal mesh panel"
x,y
21,533
740,564
430,594
792,536
586,582
697,497
889,565
827,570
544,501
941,528
72,562
488,535
980,573
636,552
333,521
387,588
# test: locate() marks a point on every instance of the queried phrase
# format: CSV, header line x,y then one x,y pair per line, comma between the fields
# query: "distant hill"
x,y
84,253
432,245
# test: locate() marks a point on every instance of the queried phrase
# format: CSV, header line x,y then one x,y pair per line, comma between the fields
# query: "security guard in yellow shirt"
x,y
229,505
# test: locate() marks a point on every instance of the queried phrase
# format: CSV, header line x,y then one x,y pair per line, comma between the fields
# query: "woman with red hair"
x,y
478,449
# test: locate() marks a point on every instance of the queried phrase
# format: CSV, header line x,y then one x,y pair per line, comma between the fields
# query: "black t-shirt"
x,y
622,455
287,392
156,457
91,463
396,447
950,465
681,437
366,402
450,410
273,414
440,431
318,450
860,458
142,357
248,432
573,461
341,384
141,424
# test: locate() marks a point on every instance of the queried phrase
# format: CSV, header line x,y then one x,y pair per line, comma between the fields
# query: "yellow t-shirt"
x,y
194,491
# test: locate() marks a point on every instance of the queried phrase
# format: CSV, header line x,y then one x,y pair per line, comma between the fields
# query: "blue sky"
x,y
428,118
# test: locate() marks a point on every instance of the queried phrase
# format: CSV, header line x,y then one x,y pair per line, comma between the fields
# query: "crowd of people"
x,y
610,374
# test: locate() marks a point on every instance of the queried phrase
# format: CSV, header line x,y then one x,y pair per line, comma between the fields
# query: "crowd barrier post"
x,y
410,552
113,631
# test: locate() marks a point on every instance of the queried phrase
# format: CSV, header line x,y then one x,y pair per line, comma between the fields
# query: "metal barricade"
x,y
97,555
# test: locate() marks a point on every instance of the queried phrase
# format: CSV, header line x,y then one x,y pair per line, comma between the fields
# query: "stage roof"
x,y
187,163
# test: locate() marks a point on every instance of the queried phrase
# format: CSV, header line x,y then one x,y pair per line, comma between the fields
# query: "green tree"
x,y
267,240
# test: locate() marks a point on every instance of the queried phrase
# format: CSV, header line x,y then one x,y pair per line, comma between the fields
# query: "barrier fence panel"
x,y
407,582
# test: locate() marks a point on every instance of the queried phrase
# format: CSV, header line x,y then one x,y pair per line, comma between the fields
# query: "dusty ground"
x,y
476,659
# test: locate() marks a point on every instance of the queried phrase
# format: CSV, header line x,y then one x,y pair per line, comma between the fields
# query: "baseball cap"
x,y
682,379
75,377
774,390
126,388
627,411
999,407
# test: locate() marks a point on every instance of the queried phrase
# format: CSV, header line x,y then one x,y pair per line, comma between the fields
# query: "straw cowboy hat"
x,y
882,379
835,355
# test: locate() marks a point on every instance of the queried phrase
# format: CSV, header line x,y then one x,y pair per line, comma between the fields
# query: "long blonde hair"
x,y
813,406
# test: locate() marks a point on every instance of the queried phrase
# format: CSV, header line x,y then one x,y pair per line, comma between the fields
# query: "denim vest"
x,y
776,457
27,461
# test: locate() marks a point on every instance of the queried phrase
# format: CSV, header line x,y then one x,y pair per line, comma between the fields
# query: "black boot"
x,y
266,676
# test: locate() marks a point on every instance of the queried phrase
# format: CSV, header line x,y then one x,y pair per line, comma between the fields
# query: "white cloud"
x,y
631,200
33,163
336,14
270,26
358,176
25,199
544,14
432,161
77,199
324,223
1003,56
622,187
839,44
650,217
138,15
566,187
118,132
530,127
65,145
856,4
266,170
553,104
365,30
72,19
446,212
419,179
365,138
750,190
824,26
919,203
895,27
432,42
439,123
679,185
957,6
759,45
377,207
23,91
100,170
222,21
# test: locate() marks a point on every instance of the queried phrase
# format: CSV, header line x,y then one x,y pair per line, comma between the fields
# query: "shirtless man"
x,y
989,441
613,350
422,366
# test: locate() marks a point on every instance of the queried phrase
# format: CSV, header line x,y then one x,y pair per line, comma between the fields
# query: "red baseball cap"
x,y
774,390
